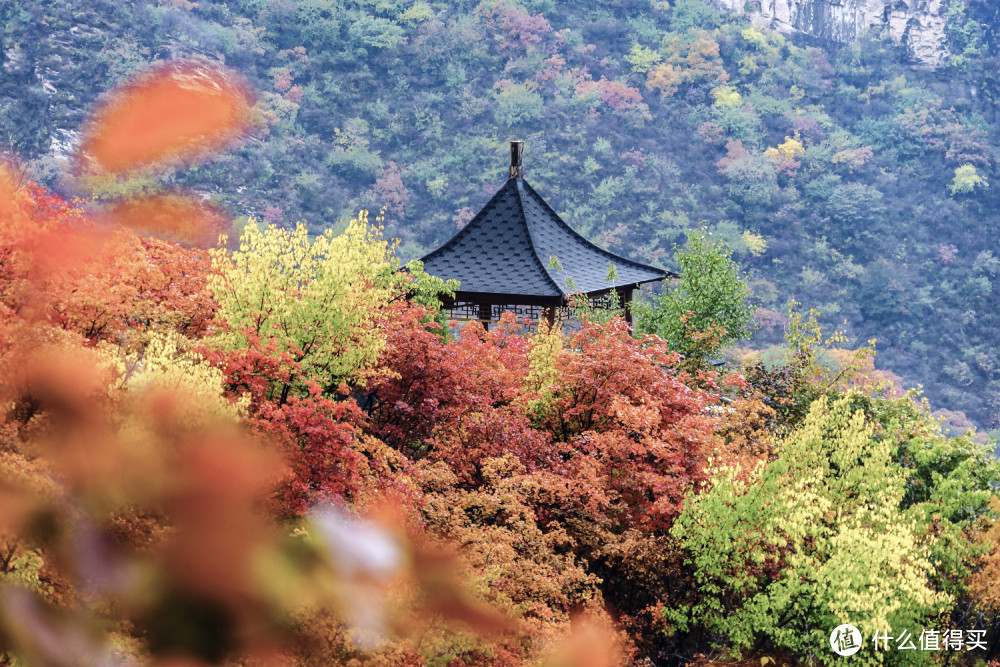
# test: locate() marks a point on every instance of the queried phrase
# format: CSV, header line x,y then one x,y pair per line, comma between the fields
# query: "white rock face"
x,y
64,142
917,24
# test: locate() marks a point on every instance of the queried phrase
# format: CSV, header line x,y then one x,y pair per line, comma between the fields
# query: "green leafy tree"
x,y
518,104
708,307
642,59
752,180
377,32
964,36
949,483
318,297
815,539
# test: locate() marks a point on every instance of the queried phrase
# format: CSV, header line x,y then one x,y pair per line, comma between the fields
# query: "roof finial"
x,y
516,151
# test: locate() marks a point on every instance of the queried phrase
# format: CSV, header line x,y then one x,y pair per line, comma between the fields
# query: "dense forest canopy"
x,y
872,183
274,454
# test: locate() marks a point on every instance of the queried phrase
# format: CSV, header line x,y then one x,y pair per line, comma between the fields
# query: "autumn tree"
x,y
132,286
139,457
708,307
317,298
462,401
815,539
966,180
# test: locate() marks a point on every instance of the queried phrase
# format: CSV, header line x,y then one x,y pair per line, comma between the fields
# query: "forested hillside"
x,y
873,184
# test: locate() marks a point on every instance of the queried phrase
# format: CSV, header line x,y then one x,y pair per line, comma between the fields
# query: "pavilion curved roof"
x,y
517,246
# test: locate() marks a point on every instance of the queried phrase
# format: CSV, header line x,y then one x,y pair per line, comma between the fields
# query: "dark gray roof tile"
x,y
507,248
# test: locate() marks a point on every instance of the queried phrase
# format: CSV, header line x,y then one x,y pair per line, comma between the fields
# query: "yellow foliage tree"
x,y
664,78
545,349
814,539
786,155
318,298
726,97
790,149
690,57
164,364
966,180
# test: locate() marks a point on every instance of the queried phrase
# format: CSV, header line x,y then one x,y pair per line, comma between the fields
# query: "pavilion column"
x,y
549,313
626,299
485,314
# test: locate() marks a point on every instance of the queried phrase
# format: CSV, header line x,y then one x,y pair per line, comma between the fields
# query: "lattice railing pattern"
x,y
466,311
605,301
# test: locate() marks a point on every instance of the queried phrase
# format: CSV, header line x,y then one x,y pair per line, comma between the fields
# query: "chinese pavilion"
x,y
517,254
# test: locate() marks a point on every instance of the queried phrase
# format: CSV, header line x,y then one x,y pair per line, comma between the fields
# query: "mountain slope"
x,y
873,184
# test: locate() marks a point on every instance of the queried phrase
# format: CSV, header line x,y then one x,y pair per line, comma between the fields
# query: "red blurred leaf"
x,y
444,592
219,529
171,216
168,114
592,643
55,252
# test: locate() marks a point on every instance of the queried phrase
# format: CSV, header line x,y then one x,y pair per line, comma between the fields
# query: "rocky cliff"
x,y
917,24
